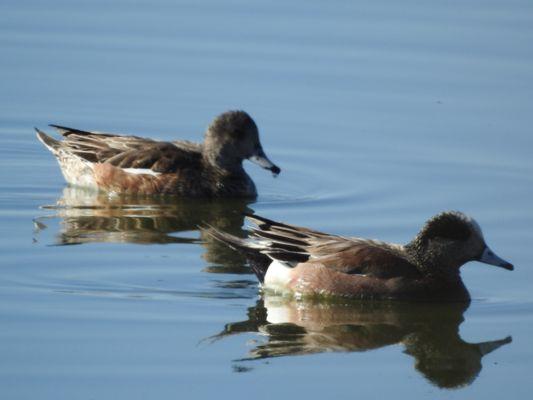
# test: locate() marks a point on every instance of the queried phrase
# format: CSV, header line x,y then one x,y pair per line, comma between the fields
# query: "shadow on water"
x,y
93,217
428,332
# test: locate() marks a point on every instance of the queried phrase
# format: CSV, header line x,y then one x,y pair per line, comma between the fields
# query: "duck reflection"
x,y
93,217
429,333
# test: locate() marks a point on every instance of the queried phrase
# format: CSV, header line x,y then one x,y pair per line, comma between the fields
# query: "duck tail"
x,y
50,143
257,261
65,130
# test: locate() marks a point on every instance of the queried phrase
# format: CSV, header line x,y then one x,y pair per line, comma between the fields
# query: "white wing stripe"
x,y
141,171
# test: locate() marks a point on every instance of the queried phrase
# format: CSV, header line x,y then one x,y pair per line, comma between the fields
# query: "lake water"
x,y
380,114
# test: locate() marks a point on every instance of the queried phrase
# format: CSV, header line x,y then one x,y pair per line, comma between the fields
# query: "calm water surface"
x,y
380,114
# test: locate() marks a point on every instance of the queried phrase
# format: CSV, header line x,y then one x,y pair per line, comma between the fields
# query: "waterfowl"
x,y
306,262
141,166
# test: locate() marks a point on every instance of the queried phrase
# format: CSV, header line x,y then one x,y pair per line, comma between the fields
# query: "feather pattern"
x,y
130,151
292,244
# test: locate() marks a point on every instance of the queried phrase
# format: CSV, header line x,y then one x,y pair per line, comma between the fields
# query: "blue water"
x,y
379,113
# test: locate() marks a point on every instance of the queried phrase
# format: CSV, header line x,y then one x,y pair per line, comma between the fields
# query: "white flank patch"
x,y
278,275
76,170
141,171
277,311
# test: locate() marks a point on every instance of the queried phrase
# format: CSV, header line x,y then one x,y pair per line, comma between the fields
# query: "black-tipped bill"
x,y
262,160
488,257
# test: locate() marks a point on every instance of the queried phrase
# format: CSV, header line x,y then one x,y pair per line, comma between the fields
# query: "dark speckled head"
x,y
449,240
232,137
233,125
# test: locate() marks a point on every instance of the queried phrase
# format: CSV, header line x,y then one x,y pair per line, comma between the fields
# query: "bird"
x,y
134,165
308,263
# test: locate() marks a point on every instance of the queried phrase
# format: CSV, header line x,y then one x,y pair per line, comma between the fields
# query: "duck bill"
x,y
488,257
262,160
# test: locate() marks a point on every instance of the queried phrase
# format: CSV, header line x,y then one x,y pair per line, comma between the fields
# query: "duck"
x,y
135,165
294,260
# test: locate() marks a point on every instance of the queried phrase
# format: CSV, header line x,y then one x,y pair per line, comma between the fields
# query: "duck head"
x,y
449,240
233,137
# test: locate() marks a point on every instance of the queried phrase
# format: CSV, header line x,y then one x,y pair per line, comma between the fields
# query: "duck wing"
x,y
130,151
293,244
